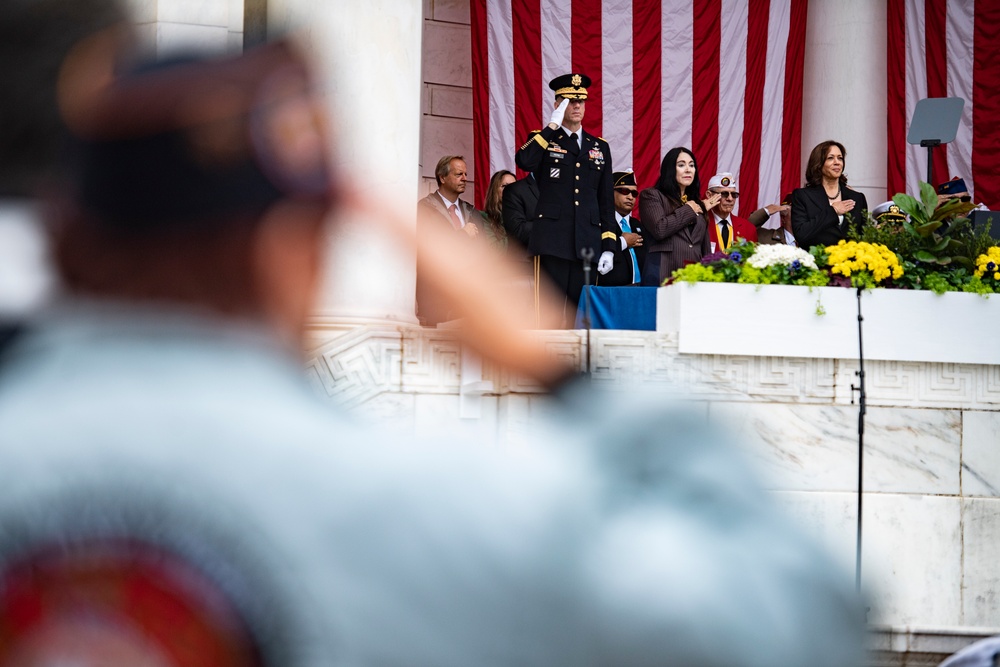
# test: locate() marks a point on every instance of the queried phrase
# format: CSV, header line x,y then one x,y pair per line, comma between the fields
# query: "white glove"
x,y
606,262
559,112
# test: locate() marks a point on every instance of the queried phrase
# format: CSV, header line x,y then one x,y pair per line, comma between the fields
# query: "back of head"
x,y
35,38
174,167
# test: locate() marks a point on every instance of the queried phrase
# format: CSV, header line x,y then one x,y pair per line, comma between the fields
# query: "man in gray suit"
x,y
444,207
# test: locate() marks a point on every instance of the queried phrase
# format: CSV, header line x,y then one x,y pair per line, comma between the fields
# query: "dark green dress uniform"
x,y
576,206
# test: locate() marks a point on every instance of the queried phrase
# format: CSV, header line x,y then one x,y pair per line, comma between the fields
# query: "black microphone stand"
x,y
587,255
862,408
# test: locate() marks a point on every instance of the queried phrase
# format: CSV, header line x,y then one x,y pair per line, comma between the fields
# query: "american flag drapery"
x,y
722,77
946,48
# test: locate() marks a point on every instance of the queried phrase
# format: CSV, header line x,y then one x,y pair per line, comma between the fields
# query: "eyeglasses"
x,y
626,192
727,194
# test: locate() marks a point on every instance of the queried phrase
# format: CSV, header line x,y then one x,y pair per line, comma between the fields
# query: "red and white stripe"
x,y
948,48
722,77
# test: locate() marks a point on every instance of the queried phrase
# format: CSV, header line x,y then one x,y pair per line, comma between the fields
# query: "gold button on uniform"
x,y
577,190
578,164
577,203
578,177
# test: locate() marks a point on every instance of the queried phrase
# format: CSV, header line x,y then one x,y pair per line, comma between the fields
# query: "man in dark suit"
x,y
630,255
444,207
575,216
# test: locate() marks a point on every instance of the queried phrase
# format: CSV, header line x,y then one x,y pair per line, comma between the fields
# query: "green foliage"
x,y
975,285
782,275
935,234
697,273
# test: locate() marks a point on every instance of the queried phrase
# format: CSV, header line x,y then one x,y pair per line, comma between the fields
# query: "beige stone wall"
x,y
446,93
166,25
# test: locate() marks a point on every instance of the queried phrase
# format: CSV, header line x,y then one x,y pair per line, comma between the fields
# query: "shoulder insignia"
x,y
609,235
537,138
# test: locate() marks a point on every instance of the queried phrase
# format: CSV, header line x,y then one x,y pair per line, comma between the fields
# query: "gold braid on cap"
x,y
572,93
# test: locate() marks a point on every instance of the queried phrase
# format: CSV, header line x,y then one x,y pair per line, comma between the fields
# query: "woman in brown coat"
x,y
674,216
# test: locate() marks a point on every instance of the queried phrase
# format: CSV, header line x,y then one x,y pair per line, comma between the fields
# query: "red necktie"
x,y
455,220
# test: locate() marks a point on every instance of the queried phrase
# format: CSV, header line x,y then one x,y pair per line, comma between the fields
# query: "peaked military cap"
x,y
624,178
571,86
888,212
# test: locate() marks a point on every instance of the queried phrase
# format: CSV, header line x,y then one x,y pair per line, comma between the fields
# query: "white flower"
x,y
780,255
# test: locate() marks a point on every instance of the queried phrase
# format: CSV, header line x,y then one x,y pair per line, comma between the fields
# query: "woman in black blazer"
x,y
825,208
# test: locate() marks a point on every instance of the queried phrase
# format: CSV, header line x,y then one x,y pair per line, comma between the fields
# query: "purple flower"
x,y
990,266
713,257
736,256
796,265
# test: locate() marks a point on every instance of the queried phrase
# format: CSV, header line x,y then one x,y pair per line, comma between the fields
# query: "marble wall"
x,y
205,25
931,507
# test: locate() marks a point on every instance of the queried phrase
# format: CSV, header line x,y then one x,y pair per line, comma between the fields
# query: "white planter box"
x,y
782,321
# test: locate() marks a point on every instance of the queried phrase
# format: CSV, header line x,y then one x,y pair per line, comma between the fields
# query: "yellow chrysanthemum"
x,y
984,262
849,257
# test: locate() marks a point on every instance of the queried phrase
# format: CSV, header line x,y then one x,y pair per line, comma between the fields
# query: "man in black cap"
x,y
574,220
630,253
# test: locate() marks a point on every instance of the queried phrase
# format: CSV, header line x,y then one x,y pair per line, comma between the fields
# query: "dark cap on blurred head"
x,y
197,140
571,86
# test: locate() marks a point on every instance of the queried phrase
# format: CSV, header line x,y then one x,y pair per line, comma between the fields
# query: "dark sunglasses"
x,y
626,191
729,195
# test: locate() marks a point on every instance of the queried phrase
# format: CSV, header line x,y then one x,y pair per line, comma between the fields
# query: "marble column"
x,y
370,54
844,95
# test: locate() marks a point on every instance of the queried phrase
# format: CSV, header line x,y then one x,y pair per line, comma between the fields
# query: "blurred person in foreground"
x,y
173,493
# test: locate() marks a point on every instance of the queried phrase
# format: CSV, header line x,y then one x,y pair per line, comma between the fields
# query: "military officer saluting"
x,y
575,215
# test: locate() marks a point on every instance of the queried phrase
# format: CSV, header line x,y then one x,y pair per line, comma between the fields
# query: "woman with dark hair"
x,y
674,216
493,210
825,208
